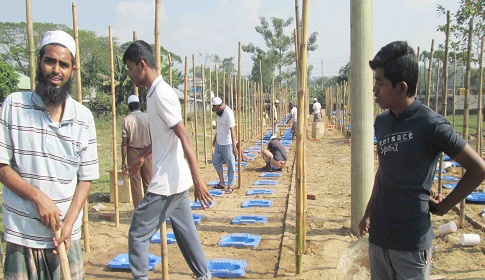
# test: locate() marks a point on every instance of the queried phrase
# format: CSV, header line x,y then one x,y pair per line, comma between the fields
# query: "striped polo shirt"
x,y
51,156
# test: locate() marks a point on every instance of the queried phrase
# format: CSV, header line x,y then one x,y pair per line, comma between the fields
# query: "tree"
x,y
280,52
8,80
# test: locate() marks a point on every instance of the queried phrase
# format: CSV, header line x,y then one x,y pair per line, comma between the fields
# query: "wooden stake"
x,y
239,112
30,34
186,86
194,87
63,261
480,104
428,91
202,91
135,88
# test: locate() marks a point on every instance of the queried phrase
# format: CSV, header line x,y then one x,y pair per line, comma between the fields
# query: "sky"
x,y
208,27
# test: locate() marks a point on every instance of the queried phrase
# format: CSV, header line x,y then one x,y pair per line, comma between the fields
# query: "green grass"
x,y
458,125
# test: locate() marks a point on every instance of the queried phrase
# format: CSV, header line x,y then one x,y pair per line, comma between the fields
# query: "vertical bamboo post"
x,y
63,260
194,87
85,219
417,82
163,227
428,90
437,86
210,104
239,112
135,88
262,104
480,103
466,108
30,34
204,126
454,89
113,126
224,87
186,86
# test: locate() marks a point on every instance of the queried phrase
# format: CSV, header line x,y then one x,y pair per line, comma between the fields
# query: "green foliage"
x,y
8,80
100,105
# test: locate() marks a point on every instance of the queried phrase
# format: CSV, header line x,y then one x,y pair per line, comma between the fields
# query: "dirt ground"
x,y
328,227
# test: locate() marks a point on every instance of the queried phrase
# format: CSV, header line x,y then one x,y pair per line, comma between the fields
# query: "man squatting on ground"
x,y
48,159
410,139
135,136
275,155
224,143
167,194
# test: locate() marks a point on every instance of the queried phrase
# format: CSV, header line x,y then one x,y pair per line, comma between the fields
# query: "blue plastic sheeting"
x,y
478,197
450,178
216,192
248,219
265,182
227,267
260,191
257,203
250,154
449,186
446,158
121,261
170,238
264,142
198,206
456,164
240,240
255,149
216,182
270,174
197,218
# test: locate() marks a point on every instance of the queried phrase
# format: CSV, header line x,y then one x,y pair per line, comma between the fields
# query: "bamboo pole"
x,y
480,103
262,104
239,112
163,227
437,86
273,109
30,35
224,87
466,108
417,82
194,87
428,91
113,126
210,103
186,86
135,88
454,88
63,260
204,125
85,219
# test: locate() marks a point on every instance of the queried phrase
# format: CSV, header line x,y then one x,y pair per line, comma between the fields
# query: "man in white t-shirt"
x,y
293,119
317,110
224,143
167,194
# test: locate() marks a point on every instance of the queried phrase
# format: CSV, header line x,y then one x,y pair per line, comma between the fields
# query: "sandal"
x,y
228,190
219,187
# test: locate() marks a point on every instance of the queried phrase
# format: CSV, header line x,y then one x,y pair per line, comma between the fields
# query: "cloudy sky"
x,y
216,26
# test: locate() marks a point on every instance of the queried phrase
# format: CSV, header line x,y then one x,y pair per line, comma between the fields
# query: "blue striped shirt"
x,y
51,156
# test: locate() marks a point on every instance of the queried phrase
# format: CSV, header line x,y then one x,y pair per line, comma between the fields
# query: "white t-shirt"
x,y
316,108
224,123
293,113
171,173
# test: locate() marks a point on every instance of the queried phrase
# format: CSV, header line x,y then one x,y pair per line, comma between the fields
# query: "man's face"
x,y
385,94
134,72
54,74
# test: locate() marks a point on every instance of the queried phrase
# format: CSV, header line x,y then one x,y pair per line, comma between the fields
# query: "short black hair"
x,y
134,106
138,51
399,63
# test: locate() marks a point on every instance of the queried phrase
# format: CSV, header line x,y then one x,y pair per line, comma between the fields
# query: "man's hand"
x,y
65,237
49,213
234,150
202,194
135,165
124,167
364,225
434,204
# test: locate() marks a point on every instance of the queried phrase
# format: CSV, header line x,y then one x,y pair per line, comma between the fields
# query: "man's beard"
x,y
49,93
219,113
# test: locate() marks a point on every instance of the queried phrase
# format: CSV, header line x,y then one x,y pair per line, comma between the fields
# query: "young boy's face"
x,y
385,94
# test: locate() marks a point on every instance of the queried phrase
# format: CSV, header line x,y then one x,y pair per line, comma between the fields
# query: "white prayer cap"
x,y
133,98
315,99
60,37
216,101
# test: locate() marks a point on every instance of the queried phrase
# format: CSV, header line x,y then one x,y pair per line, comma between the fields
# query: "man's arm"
x,y
365,222
233,139
78,200
124,149
473,177
200,192
49,213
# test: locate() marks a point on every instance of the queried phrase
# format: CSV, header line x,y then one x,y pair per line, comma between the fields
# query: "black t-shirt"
x,y
408,147
277,149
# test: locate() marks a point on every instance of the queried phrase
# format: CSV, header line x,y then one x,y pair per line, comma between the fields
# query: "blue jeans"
x,y
148,217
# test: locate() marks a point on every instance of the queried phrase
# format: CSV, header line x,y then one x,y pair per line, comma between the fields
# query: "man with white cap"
x,y
48,159
135,136
317,110
224,143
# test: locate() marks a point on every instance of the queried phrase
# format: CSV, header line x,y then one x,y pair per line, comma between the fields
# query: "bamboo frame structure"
x,y
186,85
204,123
430,73
239,112
135,88
194,87
479,147
30,36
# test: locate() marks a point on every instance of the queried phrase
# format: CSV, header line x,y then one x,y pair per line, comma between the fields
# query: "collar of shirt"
x,y
69,107
154,85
